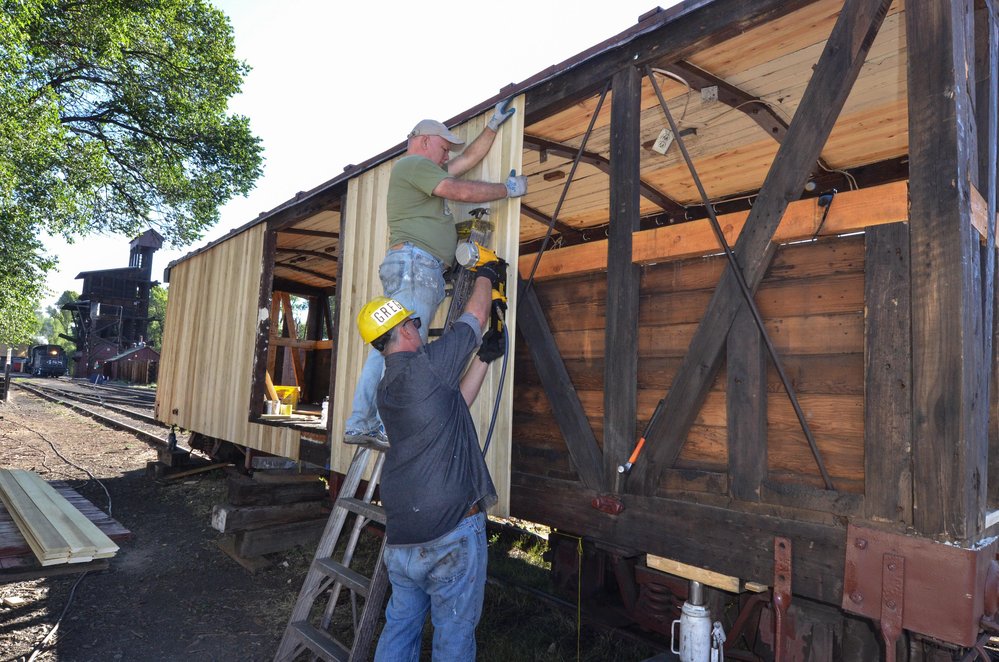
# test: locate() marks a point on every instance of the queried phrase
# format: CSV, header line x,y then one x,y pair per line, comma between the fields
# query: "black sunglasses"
x,y
416,322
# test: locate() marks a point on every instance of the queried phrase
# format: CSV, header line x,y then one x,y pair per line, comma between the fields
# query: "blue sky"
x,y
335,83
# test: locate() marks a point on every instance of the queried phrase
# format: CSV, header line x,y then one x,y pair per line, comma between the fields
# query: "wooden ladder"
x,y
308,630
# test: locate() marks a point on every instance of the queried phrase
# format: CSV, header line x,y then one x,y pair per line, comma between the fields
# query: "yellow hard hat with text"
x,y
380,315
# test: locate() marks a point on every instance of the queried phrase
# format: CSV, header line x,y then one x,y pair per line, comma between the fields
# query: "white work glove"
x,y
501,114
516,185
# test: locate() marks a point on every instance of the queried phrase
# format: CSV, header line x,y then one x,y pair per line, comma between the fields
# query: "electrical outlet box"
x,y
663,142
709,94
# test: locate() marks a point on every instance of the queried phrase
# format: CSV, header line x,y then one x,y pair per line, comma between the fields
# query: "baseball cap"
x,y
435,128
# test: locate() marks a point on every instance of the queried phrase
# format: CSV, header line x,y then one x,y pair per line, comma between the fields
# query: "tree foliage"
x,y
114,117
157,313
56,321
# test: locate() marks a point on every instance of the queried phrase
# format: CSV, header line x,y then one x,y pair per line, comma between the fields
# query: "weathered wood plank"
x,y
746,366
620,339
227,518
719,539
949,419
841,60
888,376
566,407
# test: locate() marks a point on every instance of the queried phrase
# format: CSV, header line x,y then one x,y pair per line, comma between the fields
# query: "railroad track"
x,y
129,419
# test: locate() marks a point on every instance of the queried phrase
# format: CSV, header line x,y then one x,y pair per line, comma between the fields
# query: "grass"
x,y
514,625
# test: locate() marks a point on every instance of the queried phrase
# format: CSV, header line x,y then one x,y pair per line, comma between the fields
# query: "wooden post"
x,y
6,379
887,375
258,389
987,123
949,417
746,370
345,392
621,339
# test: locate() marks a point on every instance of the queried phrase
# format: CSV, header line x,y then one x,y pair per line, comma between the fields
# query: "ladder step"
x,y
352,579
369,510
321,643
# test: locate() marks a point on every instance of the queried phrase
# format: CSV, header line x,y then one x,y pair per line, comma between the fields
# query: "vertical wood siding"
x,y
364,241
208,343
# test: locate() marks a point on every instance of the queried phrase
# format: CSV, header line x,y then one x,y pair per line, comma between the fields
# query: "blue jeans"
x,y
414,278
446,576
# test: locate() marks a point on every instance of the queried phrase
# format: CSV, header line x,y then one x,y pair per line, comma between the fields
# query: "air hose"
x,y
499,391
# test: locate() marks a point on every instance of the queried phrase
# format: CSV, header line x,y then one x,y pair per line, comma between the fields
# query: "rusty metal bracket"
x,y
782,592
916,584
608,503
892,601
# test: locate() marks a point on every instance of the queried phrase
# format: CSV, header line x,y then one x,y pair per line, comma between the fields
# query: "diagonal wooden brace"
x,y
835,73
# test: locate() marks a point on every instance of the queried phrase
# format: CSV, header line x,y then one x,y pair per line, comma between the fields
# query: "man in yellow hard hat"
x,y
434,485
422,236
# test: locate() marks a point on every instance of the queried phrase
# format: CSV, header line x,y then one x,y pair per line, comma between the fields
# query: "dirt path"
x,y
169,594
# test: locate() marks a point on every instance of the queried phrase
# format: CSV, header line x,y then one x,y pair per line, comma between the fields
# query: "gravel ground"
x,y
169,594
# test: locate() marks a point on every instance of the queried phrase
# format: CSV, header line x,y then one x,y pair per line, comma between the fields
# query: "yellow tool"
x,y
472,254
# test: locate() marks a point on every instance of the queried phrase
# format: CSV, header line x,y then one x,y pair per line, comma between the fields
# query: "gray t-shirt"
x,y
434,471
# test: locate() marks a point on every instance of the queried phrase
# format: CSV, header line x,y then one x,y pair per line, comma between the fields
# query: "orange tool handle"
x,y
638,449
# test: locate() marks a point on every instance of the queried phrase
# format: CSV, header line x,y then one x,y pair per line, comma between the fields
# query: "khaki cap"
x,y
435,128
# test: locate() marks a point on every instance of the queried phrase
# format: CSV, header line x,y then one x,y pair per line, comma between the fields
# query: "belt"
x,y
445,270
474,510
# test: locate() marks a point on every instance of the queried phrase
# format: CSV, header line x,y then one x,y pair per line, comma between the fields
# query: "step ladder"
x,y
309,626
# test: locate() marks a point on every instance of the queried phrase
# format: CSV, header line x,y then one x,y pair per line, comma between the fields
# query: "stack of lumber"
x,y
56,530
271,512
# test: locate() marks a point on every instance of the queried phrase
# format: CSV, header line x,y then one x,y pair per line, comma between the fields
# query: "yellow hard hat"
x,y
379,316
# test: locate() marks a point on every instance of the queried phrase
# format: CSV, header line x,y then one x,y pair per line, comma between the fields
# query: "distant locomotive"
x,y
48,361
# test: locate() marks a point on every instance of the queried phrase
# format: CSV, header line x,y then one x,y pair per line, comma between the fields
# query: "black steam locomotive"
x,y
48,361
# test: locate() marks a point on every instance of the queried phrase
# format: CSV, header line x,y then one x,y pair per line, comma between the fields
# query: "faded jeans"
x,y
446,576
414,278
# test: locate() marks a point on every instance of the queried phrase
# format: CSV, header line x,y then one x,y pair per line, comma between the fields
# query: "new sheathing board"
x,y
208,346
365,240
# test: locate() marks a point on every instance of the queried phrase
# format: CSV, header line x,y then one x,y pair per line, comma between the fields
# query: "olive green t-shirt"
x,y
414,213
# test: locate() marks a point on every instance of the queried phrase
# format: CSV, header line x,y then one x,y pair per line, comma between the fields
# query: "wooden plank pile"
x,y
271,512
56,531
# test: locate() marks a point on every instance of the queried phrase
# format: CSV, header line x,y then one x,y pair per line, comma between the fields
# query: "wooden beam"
x,y
544,219
753,107
887,375
300,289
674,34
986,120
289,322
566,408
731,542
621,337
262,352
334,389
851,211
295,343
668,204
827,90
949,420
746,411
730,95
311,233
298,251
311,272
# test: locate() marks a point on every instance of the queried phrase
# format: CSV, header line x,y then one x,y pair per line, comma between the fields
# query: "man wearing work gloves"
x,y
422,238
434,485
